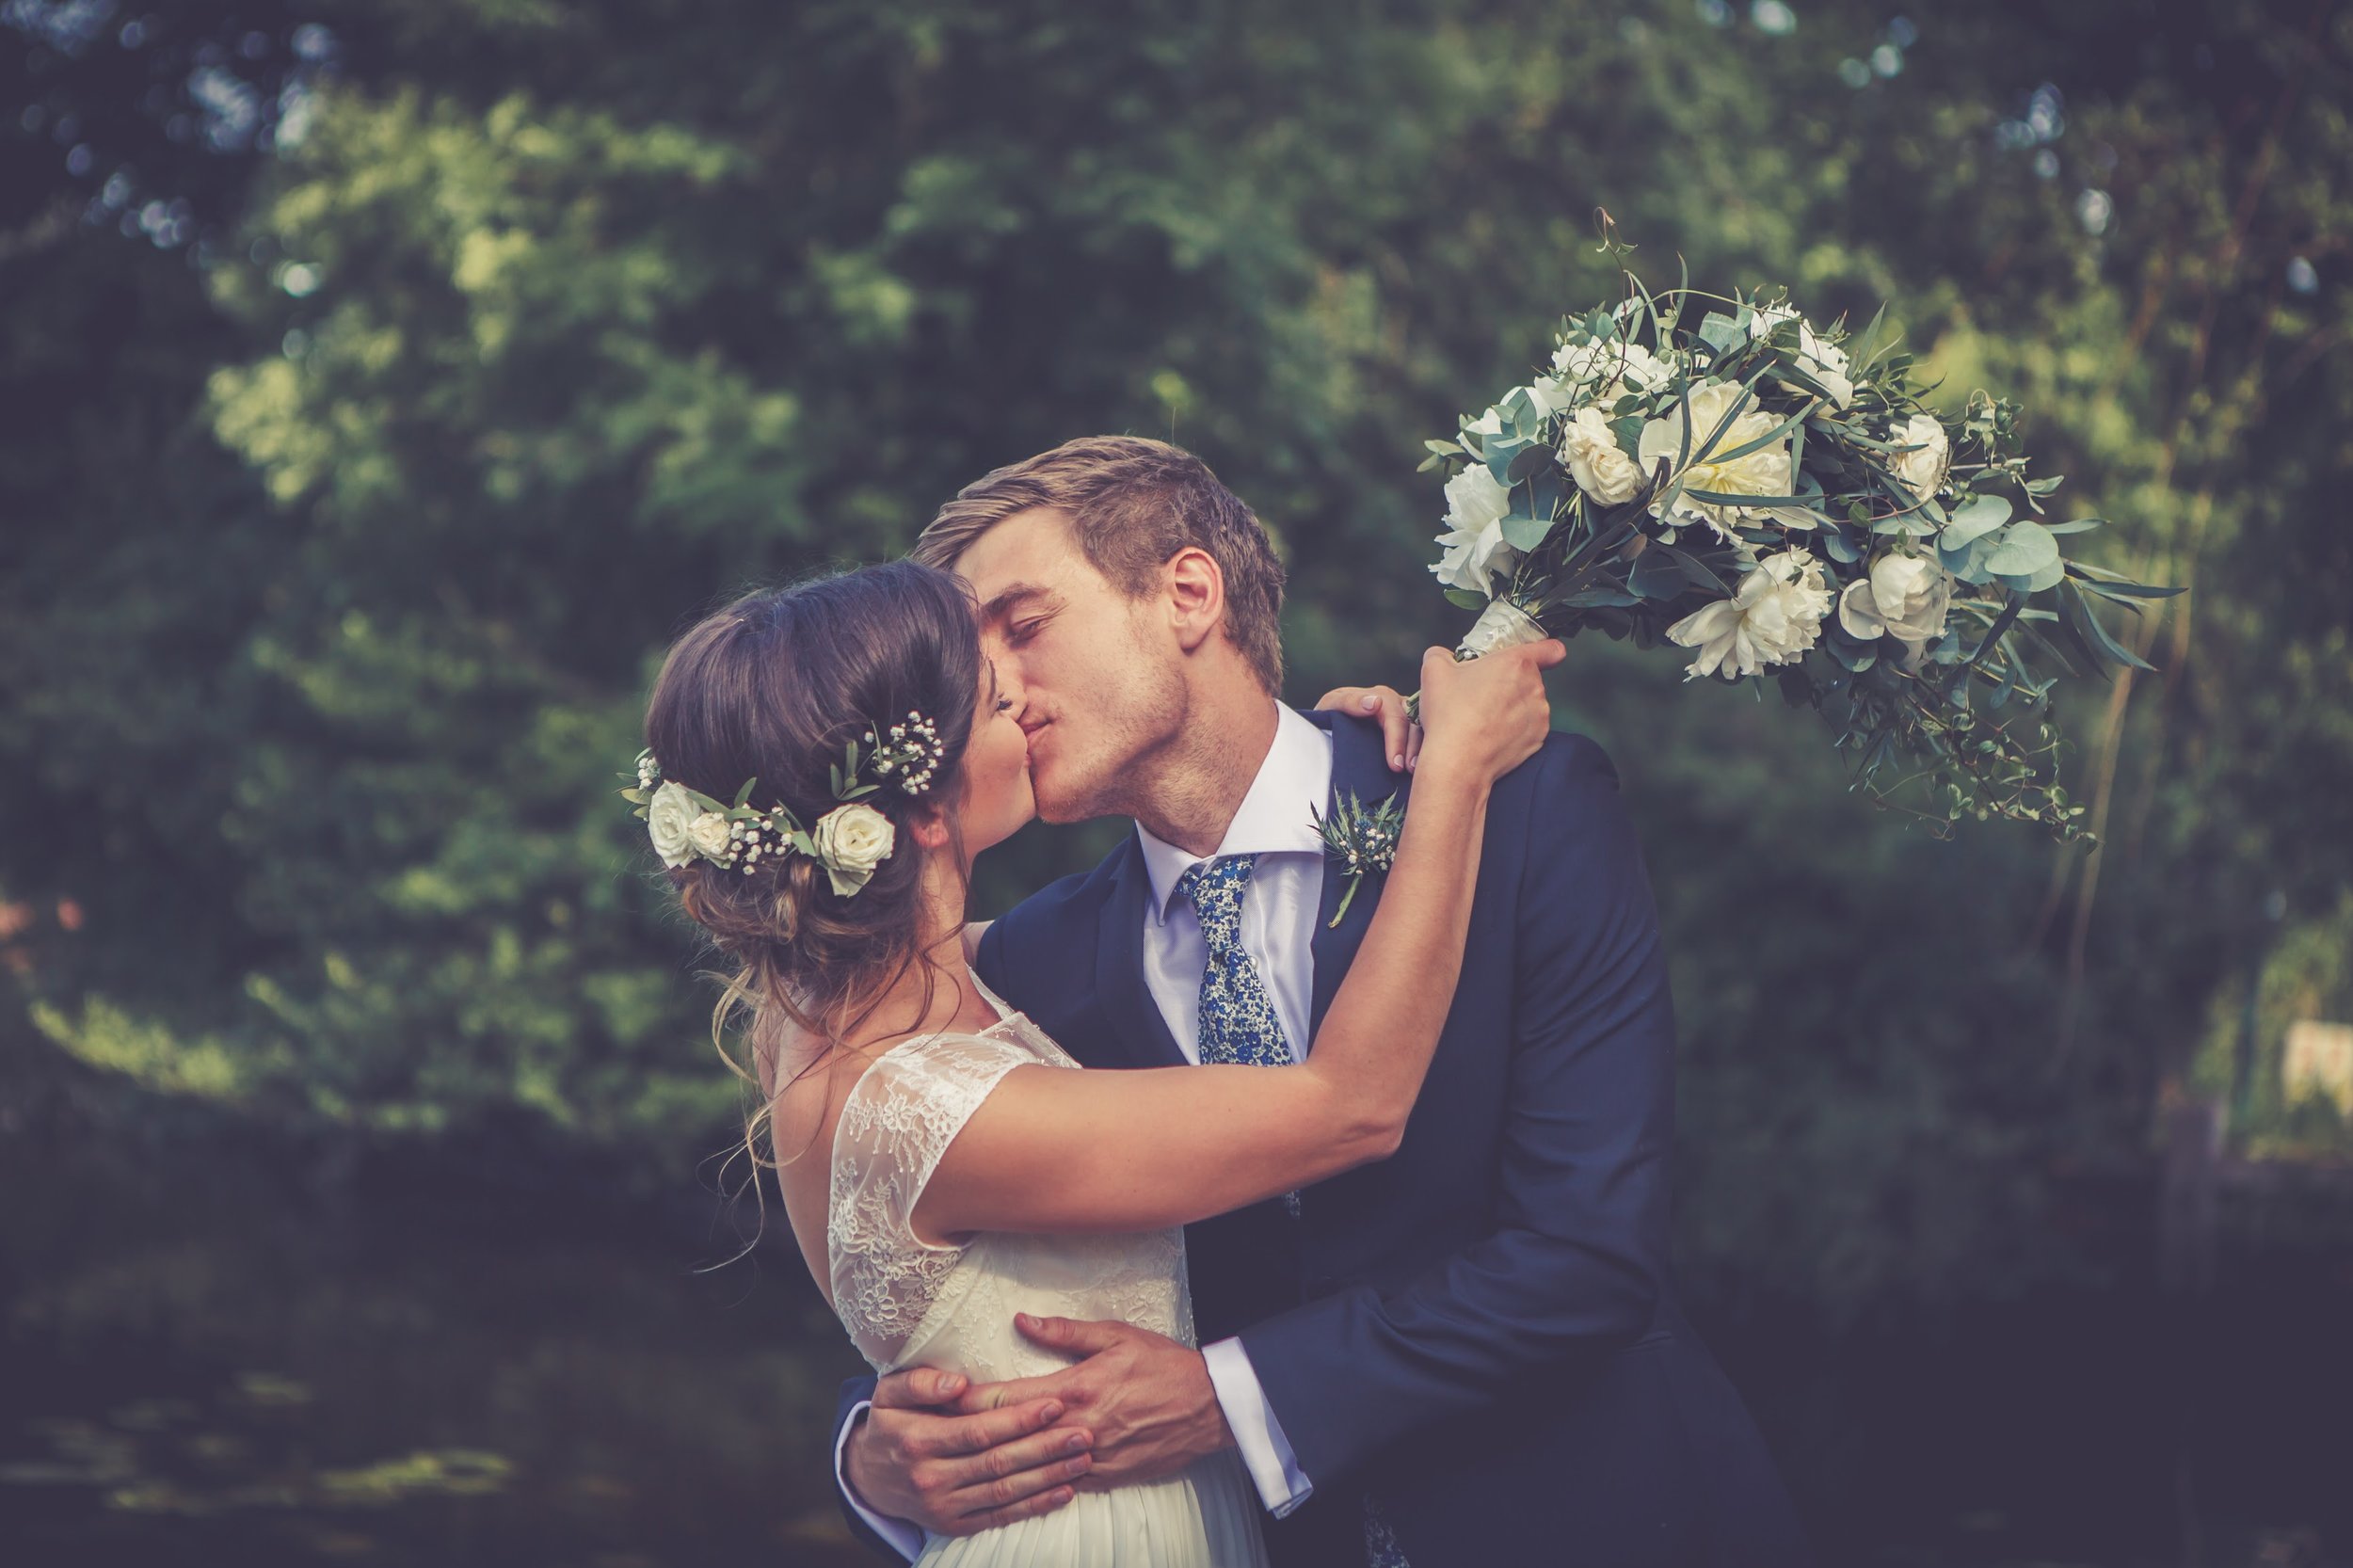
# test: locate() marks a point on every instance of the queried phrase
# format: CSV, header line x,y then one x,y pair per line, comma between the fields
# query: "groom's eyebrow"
x,y
1015,596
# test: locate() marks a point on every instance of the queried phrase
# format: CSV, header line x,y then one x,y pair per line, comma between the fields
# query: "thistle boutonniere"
x,y
1359,840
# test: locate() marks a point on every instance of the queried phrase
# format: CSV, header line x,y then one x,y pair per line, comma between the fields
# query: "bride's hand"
x,y
1490,714
1400,737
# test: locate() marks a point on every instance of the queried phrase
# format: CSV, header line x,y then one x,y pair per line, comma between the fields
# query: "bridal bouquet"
x,y
1721,474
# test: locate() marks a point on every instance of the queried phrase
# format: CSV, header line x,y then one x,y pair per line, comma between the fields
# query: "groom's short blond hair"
x,y
1134,503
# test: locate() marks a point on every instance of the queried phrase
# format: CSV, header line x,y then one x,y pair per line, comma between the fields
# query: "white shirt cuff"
x,y
1266,1453
903,1538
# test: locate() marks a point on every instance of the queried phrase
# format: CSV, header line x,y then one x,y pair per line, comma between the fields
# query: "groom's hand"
x,y
915,1456
1146,1400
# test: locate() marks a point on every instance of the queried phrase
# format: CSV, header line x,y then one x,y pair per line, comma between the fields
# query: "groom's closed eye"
x,y
1021,612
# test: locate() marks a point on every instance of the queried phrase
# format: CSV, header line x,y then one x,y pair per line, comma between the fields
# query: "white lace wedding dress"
x,y
909,1303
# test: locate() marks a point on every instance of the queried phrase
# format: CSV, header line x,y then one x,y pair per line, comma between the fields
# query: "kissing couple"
x,y
1195,1213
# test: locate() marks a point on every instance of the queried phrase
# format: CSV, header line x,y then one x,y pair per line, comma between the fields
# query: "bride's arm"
x,y
1056,1150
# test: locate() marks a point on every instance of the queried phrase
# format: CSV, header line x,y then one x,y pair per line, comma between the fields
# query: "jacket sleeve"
x,y
1575,1267
856,1395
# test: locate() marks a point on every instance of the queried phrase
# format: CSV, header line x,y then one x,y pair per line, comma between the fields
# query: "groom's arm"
x,y
1573,1269
927,1468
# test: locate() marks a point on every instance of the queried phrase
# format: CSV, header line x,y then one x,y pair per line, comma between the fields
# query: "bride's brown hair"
x,y
773,687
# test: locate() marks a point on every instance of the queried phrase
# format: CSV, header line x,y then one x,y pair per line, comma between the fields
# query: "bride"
x,y
823,763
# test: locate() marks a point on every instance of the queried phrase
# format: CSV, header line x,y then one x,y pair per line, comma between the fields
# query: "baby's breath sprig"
x,y
1359,840
912,750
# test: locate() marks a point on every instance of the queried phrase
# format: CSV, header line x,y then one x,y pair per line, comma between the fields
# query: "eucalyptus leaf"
x,y
1980,514
1525,533
2026,547
2049,575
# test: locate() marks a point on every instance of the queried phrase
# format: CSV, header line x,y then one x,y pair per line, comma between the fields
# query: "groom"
x,y
1467,1355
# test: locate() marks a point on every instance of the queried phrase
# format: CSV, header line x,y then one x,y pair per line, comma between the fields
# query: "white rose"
x,y
708,833
669,821
1905,597
1922,469
851,842
1603,372
1771,619
1824,362
1474,540
1596,461
1762,473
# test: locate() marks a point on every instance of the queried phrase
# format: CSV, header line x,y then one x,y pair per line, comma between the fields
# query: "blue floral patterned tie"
x,y
1237,1020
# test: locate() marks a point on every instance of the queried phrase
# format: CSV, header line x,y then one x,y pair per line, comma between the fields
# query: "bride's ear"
x,y
929,824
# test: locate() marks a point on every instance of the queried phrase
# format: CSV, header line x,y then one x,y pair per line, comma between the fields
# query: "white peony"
x,y
1762,473
1825,363
1596,461
1922,469
1905,597
670,822
851,840
1771,619
1606,371
708,833
1474,540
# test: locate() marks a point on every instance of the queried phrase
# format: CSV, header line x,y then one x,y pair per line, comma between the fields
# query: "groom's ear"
x,y
1197,596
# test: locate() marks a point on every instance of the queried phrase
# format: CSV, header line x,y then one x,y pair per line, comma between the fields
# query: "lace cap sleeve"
x,y
897,1122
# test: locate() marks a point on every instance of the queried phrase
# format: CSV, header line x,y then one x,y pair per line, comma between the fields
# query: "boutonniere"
x,y
1359,840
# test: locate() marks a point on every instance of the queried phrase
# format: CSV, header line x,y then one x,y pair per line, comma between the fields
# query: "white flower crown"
x,y
849,842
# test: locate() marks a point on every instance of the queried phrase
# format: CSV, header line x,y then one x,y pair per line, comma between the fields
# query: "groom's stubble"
x,y
1123,723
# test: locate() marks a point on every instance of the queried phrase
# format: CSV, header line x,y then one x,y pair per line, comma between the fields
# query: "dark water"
x,y
219,1347
205,1360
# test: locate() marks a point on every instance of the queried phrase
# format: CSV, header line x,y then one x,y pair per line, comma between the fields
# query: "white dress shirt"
x,y
1278,927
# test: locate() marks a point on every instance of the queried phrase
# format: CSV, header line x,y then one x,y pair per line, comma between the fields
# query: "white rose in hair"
x,y
708,833
851,842
1905,597
669,822
1596,461
1771,619
1922,469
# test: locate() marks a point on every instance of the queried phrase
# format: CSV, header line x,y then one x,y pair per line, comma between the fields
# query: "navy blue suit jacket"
x,y
1481,1329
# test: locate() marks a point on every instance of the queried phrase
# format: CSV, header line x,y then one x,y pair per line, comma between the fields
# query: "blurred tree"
x,y
545,326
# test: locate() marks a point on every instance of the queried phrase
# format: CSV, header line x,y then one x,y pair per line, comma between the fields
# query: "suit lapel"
x,y
1141,1032
1357,766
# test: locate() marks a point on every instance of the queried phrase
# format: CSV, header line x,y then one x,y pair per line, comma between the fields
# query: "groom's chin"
x,y
1053,806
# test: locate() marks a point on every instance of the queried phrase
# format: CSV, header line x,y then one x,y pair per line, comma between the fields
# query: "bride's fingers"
x,y
1399,732
1401,738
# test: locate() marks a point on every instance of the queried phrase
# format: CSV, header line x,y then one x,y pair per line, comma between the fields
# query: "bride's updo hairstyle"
x,y
774,687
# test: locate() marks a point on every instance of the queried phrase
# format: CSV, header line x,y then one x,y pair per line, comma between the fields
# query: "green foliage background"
x,y
375,420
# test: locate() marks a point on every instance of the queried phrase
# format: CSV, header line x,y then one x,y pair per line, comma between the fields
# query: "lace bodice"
x,y
907,1301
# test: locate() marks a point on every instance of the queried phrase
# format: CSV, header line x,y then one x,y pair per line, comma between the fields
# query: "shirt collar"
x,y
1274,817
